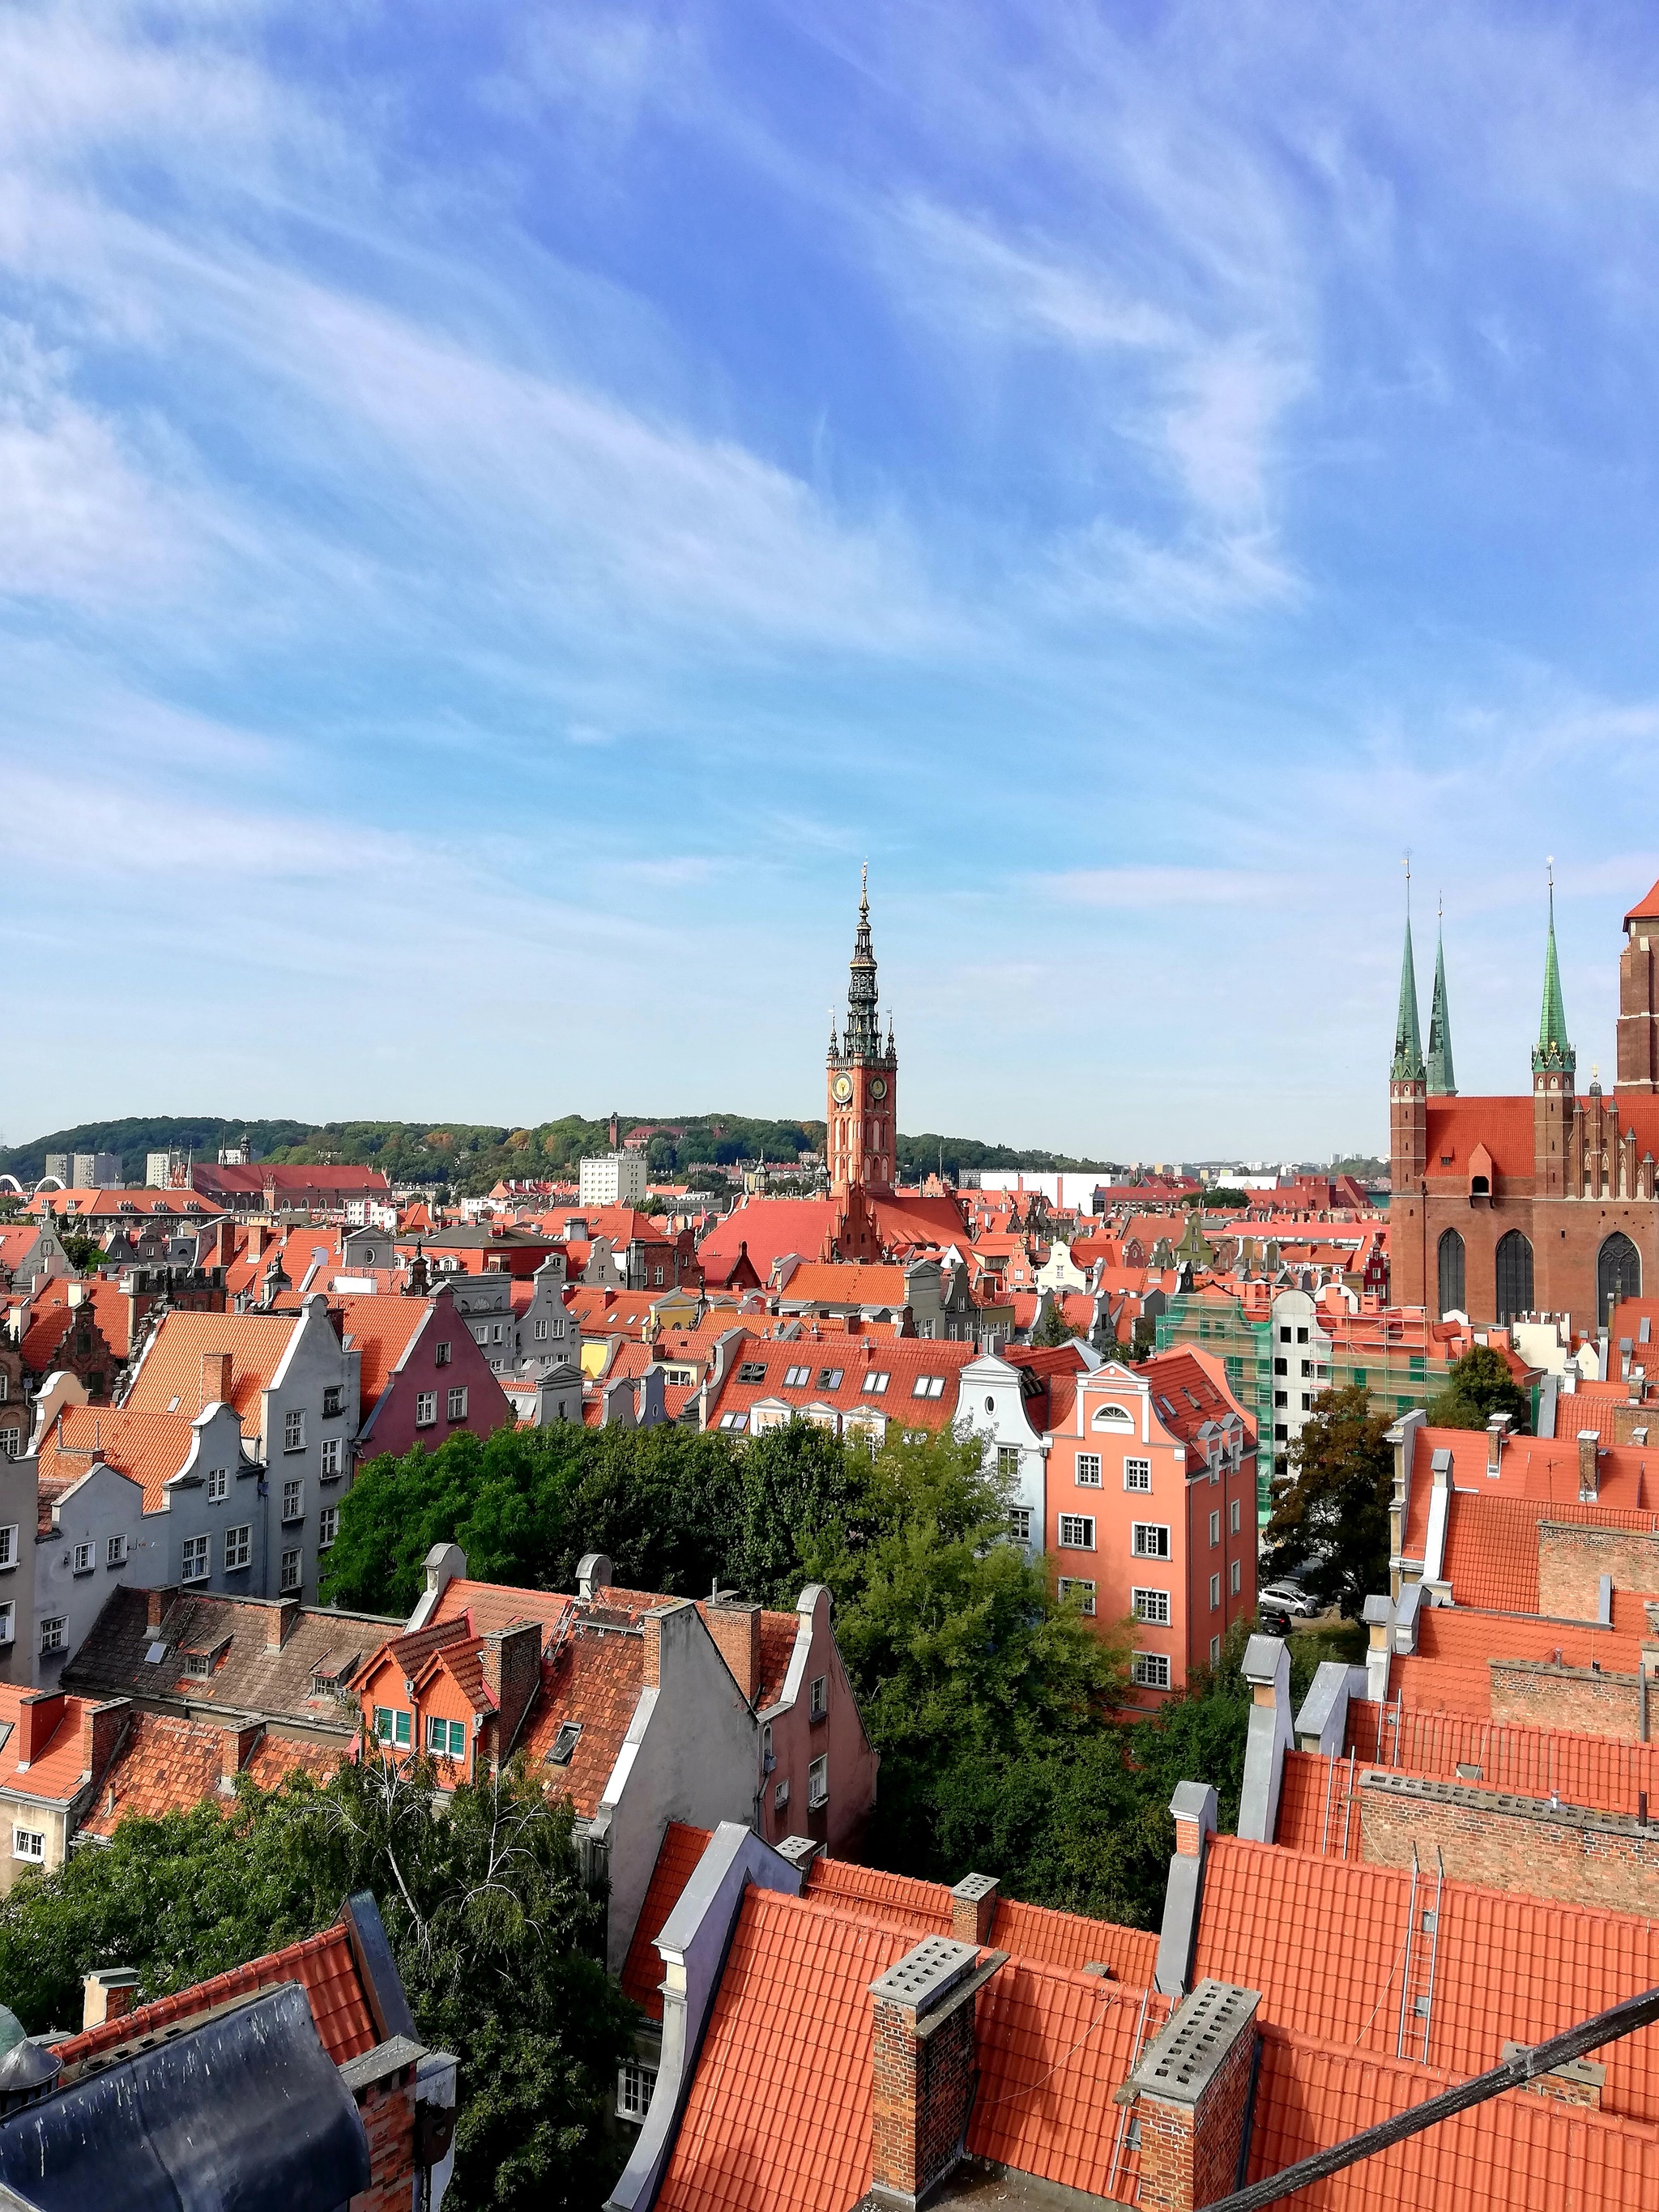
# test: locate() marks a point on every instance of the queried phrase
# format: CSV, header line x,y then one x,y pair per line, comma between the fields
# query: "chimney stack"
x,y
1590,1443
107,1993
1497,1430
1193,2087
237,1744
924,2074
38,1716
512,1663
735,1625
102,1727
281,1621
156,1605
216,1379
255,1249
593,1572
974,1903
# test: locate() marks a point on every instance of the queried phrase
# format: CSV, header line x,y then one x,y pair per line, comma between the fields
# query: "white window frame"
x,y
457,1407
440,1354
28,1843
8,1548
1236,1577
1019,1524
239,1547
11,1443
218,1485
51,1633
294,1500
328,1526
426,1409
1151,1606
1065,1586
81,1558
293,1429
8,1622
1137,1474
193,1555
115,1552
330,1457
1150,1539
1215,1593
1150,1670
293,1573
1215,1529
636,2084
1088,1470
818,1783
797,1378
1234,1517
1077,1532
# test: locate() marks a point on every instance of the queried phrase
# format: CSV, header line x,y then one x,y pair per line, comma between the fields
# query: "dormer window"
x,y
564,1744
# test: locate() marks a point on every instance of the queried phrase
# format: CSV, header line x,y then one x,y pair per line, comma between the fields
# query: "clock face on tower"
x,y
878,1088
841,1088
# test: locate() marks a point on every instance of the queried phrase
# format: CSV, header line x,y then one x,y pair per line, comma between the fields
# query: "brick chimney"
x,y
237,1744
512,1663
281,1621
1497,1430
38,1716
157,1605
216,1379
924,2074
256,1233
735,1625
1579,2081
668,1621
102,1727
1590,1443
107,1993
974,1903
1193,2088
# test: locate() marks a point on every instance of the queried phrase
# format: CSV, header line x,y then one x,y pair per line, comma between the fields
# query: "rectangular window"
x,y
294,1501
11,1443
541,1331
1281,1367
331,1458
193,1560
874,1385
1151,1604
1215,1528
8,1623
636,2082
1066,1587
333,1400
481,1331
294,1431
820,1696
1137,1474
1215,1592
83,1557
1233,1517
446,1739
1008,1463
27,1843
781,1795
496,1336
1150,1541
1088,1470
928,1386
734,1421
818,1782
1077,1532
1019,1524
458,1404
239,1547
291,1577
218,1485
328,1526
797,1378
1150,1670
1302,1336
426,1408
51,1633
1284,1336
115,1552
8,1545
440,1355
1236,1576
1215,1652
830,1378
1281,1397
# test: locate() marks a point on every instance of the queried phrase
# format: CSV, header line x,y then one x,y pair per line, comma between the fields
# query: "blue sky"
x,y
502,510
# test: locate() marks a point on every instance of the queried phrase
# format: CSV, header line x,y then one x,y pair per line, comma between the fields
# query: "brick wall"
x,y
1510,1843
922,2089
1542,1694
388,2115
1189,2152
1571,1560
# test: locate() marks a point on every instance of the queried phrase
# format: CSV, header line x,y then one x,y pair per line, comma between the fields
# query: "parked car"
x,y
1287,1598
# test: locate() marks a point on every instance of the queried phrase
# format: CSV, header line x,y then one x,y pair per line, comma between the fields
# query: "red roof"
x,y
676,1862
1645,909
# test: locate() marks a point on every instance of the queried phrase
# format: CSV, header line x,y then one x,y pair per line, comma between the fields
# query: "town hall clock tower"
x,y
863,1080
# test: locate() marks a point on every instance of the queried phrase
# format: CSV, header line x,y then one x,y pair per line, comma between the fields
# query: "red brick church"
x,y
1543,1203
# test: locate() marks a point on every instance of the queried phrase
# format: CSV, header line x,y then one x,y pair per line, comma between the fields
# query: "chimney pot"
x,y
237,1744
974,1903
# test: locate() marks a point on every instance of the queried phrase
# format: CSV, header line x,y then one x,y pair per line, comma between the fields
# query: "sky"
x,y
502,511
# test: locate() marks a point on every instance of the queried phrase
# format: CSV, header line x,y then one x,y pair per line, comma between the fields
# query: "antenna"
x,y
1406,863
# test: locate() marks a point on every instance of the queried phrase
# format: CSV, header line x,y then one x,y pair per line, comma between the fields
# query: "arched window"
x,y
1451,1274
1513,1267
1618,1273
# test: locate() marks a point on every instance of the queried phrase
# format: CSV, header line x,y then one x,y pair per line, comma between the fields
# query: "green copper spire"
x,y
1442,1083
1407,1039
1552,1054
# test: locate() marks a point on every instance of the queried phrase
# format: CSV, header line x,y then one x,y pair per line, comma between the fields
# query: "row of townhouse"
x,y
1138,1484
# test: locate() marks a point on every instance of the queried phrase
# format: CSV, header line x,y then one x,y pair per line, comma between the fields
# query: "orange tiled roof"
x,y
58,1768
846,1283
1587,1770
171,1369
381,1328
167,1765
676,1860
1455,1646
322,1964
150,1448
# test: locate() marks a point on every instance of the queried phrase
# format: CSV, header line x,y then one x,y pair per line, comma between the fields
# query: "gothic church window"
x,y
1451,1274
1618,1273
1514,1275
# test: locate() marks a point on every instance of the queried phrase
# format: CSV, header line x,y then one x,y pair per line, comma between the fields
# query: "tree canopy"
x,y
1330,1519
1479,1385
497,1939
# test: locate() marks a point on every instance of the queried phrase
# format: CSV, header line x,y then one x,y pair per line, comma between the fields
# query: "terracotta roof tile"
x,y
1587,1770
169,1375
838,1882
169,1764
676,1860
1069,1939
150,1448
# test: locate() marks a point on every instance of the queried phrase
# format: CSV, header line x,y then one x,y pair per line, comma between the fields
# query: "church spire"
x,y
863,1039
1442,1082
1552,1054
1407,1038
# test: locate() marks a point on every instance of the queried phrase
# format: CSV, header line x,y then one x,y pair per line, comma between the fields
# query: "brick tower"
x,y
863,1079
1554,1096
1408,1141
1638,999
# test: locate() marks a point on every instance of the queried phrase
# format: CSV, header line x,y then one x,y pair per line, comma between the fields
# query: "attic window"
x,y
795,1379
752,1370
874,1385
928,1386
569,1736
198,1663
1114,1417
734,1421
829,1377
155,1655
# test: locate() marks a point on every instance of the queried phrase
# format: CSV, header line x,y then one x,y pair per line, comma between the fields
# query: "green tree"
x,y
1054,1329
1479,1385
496,1937
1330,1519
82,1251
